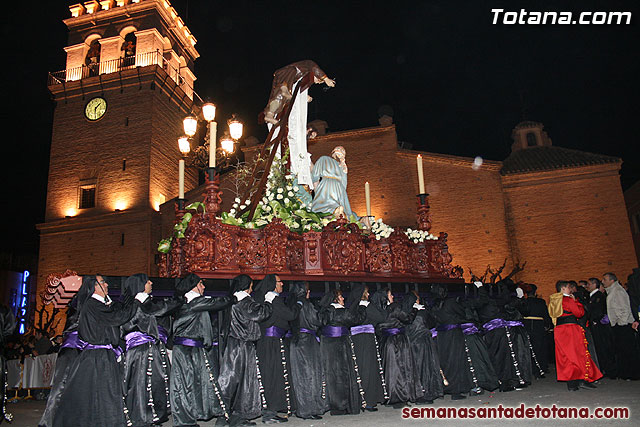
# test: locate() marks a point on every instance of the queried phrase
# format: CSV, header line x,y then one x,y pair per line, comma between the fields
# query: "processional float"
x,y
341,251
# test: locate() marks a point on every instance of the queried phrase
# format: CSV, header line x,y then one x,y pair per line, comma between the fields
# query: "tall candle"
x,y
213,130
181,179
420,174
367,197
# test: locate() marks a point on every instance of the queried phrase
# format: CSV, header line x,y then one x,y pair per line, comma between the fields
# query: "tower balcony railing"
x,y
120,64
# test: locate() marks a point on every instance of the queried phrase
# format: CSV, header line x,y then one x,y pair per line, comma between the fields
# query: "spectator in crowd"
x,y
600,328
42,342
624,328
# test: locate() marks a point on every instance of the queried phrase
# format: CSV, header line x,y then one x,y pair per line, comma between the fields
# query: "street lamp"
x,y
227,143
190,125
209,113
235,127
185,148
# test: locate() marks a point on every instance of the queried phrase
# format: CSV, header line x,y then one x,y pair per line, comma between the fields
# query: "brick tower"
x,y
120,102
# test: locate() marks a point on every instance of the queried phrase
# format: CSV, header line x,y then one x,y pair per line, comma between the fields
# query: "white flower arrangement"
x,y
381,230
280,201
418,236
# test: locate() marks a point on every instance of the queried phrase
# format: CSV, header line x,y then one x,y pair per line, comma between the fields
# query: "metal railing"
x,y
120,64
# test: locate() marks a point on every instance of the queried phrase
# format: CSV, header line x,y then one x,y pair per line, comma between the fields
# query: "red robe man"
x,y
573,361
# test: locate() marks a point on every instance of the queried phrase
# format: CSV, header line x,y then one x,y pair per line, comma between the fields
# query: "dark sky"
x,y
456,83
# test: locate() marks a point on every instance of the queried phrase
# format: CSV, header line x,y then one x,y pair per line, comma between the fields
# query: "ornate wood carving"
x,y
379,258
423,216
276,237
342,247
251,250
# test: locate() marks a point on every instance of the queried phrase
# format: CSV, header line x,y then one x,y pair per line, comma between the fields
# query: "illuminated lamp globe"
x,y
235,127
209,111
190,125
183,145
228,144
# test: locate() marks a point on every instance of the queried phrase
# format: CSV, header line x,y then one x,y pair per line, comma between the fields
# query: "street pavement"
x,y
544,392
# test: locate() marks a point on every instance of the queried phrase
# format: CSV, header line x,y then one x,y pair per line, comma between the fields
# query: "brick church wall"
x,y
570,224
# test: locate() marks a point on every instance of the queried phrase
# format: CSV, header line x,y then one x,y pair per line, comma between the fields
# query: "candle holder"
x,y
366,221
423,216
180,211
212,193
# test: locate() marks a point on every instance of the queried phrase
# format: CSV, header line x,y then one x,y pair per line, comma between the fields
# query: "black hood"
x,y
135,284
267,284
240,283
187,283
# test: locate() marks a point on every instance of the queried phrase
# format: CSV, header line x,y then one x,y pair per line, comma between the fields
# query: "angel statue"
x,y
285,79
331,190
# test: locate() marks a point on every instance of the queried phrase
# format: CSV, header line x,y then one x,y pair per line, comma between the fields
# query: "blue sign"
x,y
23,300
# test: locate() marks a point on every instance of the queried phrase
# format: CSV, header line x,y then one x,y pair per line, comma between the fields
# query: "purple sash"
x,y
393,331
163,335
494,324
188,342
434,332
363,329
514,323
604,320
274,331
335,331
137,338
469,328
71,340
450,327
310,332
116,350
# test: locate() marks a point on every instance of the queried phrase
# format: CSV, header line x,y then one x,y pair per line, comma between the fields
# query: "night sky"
x,y
455,83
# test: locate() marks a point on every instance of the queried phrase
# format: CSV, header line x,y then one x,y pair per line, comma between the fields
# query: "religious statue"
x,y
285,79
331,190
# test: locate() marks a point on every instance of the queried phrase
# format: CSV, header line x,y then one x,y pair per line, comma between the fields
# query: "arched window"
x,y
531,139
129,50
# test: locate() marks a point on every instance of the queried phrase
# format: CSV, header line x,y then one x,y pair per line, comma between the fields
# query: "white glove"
x,y
478,284
519,292
270,296
365,303
418,306
142,296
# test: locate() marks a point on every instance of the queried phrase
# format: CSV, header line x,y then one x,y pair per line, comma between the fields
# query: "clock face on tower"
x,y
95,109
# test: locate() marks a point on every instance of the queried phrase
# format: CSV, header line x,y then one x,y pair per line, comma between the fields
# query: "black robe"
x,y
93,394
497,341
239,381
368,355
481,368
307,377
147,363
195,393
425,354
523,350
451,346
596,310
338,361
64,362
400,372
537,322
271,351
7,326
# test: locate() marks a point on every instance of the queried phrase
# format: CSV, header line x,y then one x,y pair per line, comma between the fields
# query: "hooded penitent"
x,y
267,284
135,284
240,283
187,283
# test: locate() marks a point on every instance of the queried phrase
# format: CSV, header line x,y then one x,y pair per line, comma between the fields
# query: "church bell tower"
x,y
119,105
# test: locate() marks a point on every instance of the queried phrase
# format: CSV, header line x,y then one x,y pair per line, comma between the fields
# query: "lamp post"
x,y
213,199
185,147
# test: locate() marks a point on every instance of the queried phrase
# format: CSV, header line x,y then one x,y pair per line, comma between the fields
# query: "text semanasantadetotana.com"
x,y
518,412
